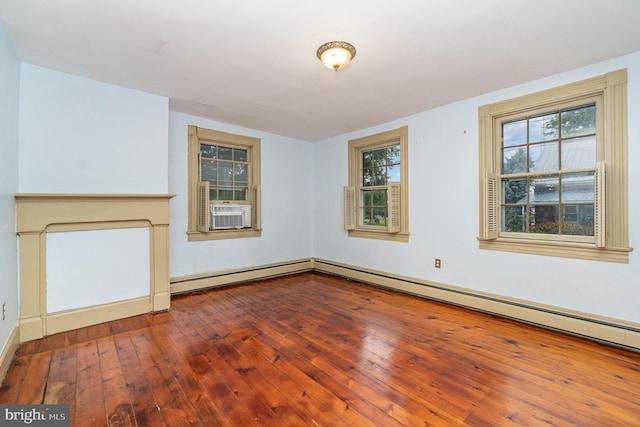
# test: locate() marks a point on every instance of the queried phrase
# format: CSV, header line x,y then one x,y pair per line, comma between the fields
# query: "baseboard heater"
x,y
596,328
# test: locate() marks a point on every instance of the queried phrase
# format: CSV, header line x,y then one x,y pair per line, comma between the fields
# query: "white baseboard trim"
x,y
8,351
594,327
230,277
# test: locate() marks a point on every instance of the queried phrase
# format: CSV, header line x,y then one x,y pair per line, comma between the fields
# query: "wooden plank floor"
x,y
317,350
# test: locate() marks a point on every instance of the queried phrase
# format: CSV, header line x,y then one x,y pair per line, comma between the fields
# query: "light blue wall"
x,y
9,101
443,205
83,136
287,204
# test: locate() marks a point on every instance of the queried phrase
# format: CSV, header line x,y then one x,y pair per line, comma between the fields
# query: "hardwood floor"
x,y
312,349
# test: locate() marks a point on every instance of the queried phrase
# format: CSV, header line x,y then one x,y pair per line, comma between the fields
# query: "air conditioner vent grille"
x,y
230,216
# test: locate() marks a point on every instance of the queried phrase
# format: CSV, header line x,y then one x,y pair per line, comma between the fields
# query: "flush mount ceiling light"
x,y
336,55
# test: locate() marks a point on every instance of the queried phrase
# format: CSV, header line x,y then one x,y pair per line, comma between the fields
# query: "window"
x,y
548,166
376,199
224,185
227,171
553,172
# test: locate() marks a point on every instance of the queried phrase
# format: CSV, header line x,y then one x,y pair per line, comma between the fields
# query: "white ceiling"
x,y
253,62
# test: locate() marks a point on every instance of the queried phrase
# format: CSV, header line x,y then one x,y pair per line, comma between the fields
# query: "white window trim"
x,y
195,231
398,231
613,245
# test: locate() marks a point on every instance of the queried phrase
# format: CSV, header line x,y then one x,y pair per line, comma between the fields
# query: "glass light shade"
x,y
336,55
335,58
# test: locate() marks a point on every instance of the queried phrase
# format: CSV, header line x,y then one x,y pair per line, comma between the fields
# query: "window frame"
x,y
613,244
199,136
397,230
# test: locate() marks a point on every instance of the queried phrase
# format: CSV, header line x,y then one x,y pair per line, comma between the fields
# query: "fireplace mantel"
x,y
39,214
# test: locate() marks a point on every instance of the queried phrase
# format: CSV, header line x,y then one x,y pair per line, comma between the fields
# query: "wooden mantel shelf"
x,y
36,211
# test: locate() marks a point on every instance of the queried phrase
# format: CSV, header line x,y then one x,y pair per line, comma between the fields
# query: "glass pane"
x,y
367,177
393,154
367,197
543,128
208,170
514,160
379,156
380,176
544,189
225,171
570,213
380,198
239,155
514,191
514,133
379,216
208,151
580,121
543,219
225,194
367,159
241,193
393,173
241,172
225,153
513,219
213,194
544,157
578,220
578,187
366,215
579,153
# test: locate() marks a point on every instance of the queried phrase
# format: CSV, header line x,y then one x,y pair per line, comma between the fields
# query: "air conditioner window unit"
x,y
230,216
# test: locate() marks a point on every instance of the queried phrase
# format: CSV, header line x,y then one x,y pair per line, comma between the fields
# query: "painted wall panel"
x,y
9,101
86,268
82,136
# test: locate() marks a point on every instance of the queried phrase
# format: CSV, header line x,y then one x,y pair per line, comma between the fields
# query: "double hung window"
x,y
548,184
226,169
376,199
224,185
553,171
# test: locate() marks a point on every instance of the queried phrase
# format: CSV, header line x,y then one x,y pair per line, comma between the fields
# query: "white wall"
x,y
443,185
82,136
287,204
86,268
9,100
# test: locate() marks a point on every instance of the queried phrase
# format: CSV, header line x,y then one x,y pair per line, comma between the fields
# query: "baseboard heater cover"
x,y
185,284
595,328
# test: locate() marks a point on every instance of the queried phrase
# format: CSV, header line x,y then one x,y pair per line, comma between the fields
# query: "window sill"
x,y
380,235
197,236
558,249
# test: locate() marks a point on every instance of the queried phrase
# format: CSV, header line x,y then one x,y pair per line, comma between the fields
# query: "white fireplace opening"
x,y
92,267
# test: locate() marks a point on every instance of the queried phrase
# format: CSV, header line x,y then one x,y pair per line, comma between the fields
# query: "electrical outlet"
x,y
437,262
